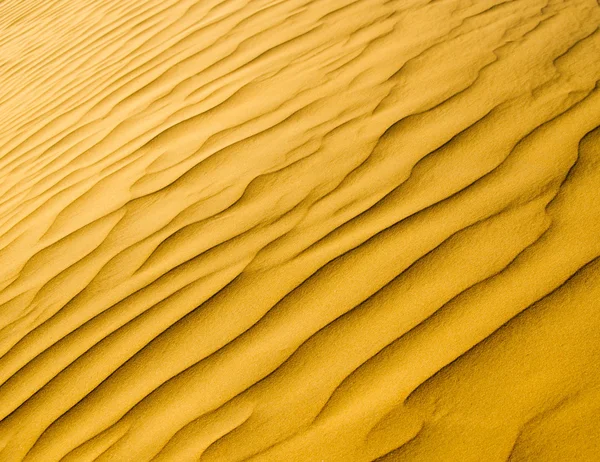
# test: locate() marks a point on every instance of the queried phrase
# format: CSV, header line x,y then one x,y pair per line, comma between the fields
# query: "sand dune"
x,y
299,230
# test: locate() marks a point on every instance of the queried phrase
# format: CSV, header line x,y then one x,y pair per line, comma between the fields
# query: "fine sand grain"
x,y
300,230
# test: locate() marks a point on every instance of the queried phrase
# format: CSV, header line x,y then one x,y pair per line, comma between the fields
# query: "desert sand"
x,y
300,230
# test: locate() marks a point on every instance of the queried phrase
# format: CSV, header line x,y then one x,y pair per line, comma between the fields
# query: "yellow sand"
x,y
299,230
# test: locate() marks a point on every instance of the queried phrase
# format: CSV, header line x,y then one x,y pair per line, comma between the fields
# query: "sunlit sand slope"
x,y
299,230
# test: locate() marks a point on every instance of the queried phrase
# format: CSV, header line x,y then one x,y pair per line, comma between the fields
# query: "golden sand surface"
x,y
300,230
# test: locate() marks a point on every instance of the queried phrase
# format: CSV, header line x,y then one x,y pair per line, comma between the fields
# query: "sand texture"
x,y
300,230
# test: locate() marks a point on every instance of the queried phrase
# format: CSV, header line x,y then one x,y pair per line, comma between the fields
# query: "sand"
x,y
299,230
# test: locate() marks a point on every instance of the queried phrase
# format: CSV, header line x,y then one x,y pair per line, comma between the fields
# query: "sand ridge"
x,y
304,230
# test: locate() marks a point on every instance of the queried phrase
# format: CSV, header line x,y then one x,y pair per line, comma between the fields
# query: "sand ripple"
x,y
299,230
